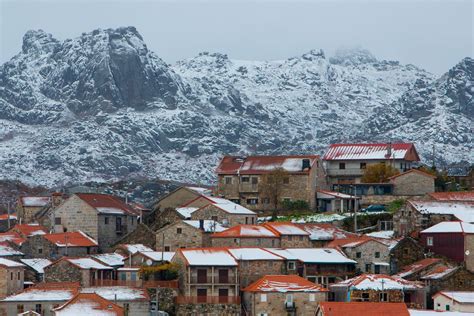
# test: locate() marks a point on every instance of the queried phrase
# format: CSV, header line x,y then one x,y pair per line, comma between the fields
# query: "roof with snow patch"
x,y
71,239
453,196
405,151
88,304
458,296
107,204
286,228
312,255
363,309
251,253
450,227
37,264
208,257
247,231
35,201
463,211
283,284
264,164
377,282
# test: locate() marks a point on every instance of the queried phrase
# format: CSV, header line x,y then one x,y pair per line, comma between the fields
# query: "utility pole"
x,y
355,209
433,157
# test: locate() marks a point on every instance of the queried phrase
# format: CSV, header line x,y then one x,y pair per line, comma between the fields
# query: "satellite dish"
x,y
149,262
467,252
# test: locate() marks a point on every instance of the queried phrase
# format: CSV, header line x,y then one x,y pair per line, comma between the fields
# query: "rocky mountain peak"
x,y
314,54
38,41
352,56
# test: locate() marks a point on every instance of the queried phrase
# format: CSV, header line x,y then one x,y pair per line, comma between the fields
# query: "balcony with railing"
x,y
356,172
208,279
208,300
248,187
172,284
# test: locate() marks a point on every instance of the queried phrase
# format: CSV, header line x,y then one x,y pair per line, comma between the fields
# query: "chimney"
x,y
201,224
56,198
389,150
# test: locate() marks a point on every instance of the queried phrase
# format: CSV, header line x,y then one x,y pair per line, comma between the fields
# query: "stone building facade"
x,y
241,179
242,241
12,277
413,182
63,270
226,218
176,198
404,253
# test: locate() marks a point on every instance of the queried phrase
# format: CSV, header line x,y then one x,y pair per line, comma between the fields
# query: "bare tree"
x,y
272,187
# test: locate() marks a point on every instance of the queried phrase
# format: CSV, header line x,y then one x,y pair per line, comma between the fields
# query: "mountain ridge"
x,y
102,106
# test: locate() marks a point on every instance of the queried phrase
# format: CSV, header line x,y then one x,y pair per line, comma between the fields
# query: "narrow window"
x,y
377,254
358,254
106,220
40,250
447,307
291,265
263,297
365,297
363,165
429,241
228,180
342,165
383,297
312,297
57,221
167,248
179,230
286,180
20,308
38,308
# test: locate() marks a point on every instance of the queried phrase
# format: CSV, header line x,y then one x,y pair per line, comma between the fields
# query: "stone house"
x,y
129,249
106,218
380,288
321,234
319,265
221,210
34,269
41,298
88,303
462,175
208,281
86,271
246,236
405,252
417,215
372,255
448,239
283,295
331,201
361,309
56,245
178,197
416,270
413,182
291,235
186,234
148,258
12,277
254,263
28,206
454,301
241,179
346,163
140,235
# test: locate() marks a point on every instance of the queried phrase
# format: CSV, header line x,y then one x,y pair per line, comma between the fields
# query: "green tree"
x,y
378,173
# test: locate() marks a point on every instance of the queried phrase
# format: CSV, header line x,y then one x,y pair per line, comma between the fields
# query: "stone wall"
x,y
11,280
168,238
460,280
413,183
367,252
39,247
141,235
406,252
63,271
291,241
26,213
394,296
10,308
108,233
246,242
251,271
469,246
208,309
273,303
77,215
176,198
210,212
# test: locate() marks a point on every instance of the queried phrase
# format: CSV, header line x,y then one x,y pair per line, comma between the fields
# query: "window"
x,y
429,241
365,297
133,276
214,218
245,179
447,307
246,220
118,224
406,251
228,180
363,165
377,254
20,308
286,180
301,238
133,220
123,276
167,248
290,238
11,275
254,180
179,230
252,201
286,199
289,298
358,254
291,265
40,250
38,308
126,308
57,221
367,267
312,297
18,275
342,165
383,297
263,297
106,220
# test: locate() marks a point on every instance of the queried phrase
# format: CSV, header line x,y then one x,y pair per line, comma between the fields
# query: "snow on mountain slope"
x,y
102,106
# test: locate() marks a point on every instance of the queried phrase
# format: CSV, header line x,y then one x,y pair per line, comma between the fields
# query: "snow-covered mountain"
x,y
102,106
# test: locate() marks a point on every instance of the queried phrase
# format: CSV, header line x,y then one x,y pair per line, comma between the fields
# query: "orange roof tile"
x,y
283,283
72,239
417,266
286,228
27,230
351,241
104,202
264,164
12,236
363,309
91,302
453,196
247,231
4,217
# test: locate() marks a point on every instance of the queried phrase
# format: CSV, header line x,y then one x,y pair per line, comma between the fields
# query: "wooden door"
x,y
223,295
202,275
223,276
201,295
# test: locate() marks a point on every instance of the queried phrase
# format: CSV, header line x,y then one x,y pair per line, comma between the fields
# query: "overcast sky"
x,y
432,34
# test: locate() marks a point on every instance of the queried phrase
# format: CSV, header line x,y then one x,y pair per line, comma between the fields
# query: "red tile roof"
x,y
376,151
13,237
325,231
264,164
286,228
92,301
105,201
72,239
426,174
26,230
4,217
363,309
287,283
351,241
453,196
247,231
417,266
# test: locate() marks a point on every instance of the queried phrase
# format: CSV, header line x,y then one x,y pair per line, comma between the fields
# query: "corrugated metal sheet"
x,y
370,151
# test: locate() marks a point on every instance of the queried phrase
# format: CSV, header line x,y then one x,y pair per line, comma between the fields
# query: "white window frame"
x,y
263,297
429,241
312,297
290,264
289,298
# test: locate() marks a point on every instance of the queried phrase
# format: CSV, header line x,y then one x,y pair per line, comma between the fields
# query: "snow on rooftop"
x,y
312,255
210,226
253,254
384,234
7,251
110,210
38,295
186,211
323,194
377,282
283,284
451,227
464,211
133,248
112,259
88,263
229,207
439,273
35,201
84,307
325,232
122,293
37,264
366,151
421,312
10,263
158,255
200,190
287,228
208,257
460,296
